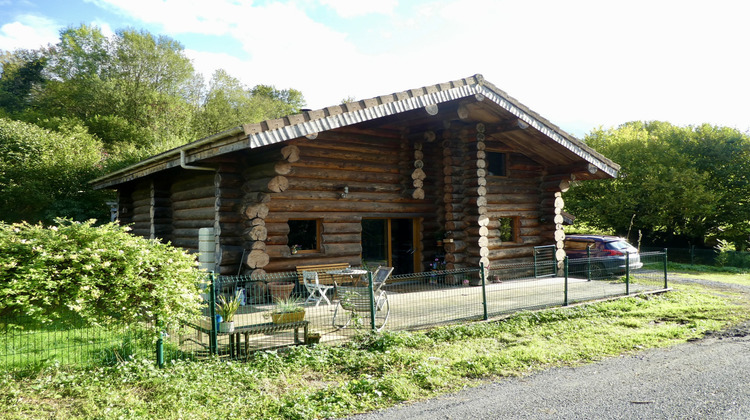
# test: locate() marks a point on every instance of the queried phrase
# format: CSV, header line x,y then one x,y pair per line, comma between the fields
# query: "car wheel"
x,y
598,271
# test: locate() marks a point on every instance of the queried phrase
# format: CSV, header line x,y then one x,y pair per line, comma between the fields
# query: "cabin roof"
x,y
482,97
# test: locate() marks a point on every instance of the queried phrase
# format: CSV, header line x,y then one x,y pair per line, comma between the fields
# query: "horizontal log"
x,y
256,197
334,238
274,184
455,246
195,193
192,224
267,170
455,225
320,175
226,229
256,221
256,210
455,258
337,185
192,180
364,208
342,249
193,203
474,201
254,245
229,255
199,213
227,180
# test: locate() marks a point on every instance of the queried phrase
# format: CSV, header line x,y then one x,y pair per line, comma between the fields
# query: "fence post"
x,y
159,345
535,271
565,262
212,341
588,263
665,268
484,290
372,300
627,273
692,254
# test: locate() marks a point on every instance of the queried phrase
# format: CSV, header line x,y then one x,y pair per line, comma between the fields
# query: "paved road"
x,y
704,379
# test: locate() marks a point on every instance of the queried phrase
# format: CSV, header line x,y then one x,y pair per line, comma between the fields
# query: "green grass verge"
x,y
375,371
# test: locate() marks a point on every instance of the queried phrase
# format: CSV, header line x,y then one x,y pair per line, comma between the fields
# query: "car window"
x,y
576,245
618,245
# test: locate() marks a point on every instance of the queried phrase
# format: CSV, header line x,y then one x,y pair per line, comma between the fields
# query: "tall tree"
x,y
229,103
44,175
676,183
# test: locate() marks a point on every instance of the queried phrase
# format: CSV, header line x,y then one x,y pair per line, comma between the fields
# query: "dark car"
x,y
608,255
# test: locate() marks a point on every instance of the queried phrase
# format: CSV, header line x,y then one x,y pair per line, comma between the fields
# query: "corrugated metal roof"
x,y
311,122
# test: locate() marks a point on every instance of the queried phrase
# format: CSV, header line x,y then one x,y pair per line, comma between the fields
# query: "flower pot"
x,y
226,327
285,317
313,338
280,290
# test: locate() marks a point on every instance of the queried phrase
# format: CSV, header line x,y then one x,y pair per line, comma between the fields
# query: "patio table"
x,y
351,272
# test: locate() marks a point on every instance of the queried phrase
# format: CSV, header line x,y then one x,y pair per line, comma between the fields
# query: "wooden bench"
x,y
322,270
269,327
247,330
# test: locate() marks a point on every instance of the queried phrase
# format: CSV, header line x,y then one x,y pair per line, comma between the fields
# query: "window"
x,y
509,229
304,235
497,164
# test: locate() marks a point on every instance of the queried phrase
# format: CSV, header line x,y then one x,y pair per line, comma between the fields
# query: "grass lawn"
x,y
375,371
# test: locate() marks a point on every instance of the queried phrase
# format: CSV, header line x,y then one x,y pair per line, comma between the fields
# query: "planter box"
x,y
288,317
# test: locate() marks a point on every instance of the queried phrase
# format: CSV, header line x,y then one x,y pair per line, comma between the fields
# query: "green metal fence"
x,y
702,256
24,343
403,302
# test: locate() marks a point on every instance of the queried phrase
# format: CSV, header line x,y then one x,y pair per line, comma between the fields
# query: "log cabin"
x,y
458,171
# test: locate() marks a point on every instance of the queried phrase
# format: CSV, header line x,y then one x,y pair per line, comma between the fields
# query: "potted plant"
x,y
287,310
280,290
226,309
295,248
313,338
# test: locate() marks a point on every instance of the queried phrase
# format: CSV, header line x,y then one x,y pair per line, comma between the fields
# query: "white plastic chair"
x,y
317,292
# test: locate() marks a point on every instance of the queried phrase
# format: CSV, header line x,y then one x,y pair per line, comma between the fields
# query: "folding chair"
x,y
316,291
356,300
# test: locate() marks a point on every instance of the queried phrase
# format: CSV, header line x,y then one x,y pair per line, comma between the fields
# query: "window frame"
x,y
506,162
318,232
515,229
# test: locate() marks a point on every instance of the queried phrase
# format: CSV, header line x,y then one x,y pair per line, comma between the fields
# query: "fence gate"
x,y
544,261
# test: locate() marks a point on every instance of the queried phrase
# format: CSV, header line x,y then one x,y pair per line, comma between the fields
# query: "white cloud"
x,y
355,8
184,16
28,32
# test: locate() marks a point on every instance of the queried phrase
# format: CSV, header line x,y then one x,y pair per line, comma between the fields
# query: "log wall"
x,y
379,175
192,206
440,180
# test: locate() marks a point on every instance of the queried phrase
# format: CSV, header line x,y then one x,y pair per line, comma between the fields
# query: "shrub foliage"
x,y
101,273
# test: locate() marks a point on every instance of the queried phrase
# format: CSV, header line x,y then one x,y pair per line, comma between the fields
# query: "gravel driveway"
x,y
702,379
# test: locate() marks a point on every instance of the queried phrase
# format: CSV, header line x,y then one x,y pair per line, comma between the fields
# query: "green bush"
x,y
102,274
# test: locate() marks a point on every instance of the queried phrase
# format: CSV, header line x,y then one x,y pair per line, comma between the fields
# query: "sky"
x,y
582,64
